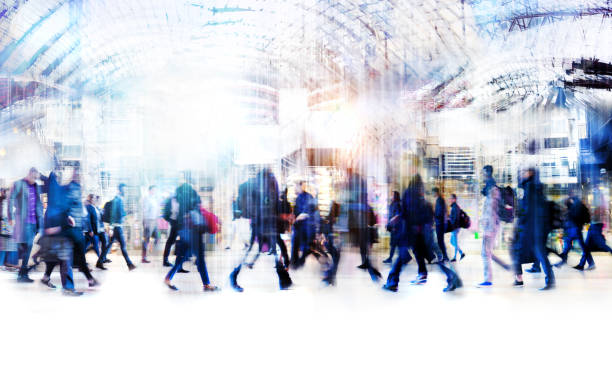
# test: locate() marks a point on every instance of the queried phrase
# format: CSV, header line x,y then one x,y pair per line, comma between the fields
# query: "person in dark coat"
x,y
595,240
440,217
264,198
117,218
532,230
285,215
572,230
304,226
417,234
394,224
191,227
327,229
358,225
71,205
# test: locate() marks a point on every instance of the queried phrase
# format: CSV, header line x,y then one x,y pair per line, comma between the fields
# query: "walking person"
x,y
170,215
190,229
358,225
64,218
577,216
305,225
25,214
394,225
455,228
116,219
264,197
418,219
98,237
8,253
490,223
150,215
534,225
595,240
88,229
440,217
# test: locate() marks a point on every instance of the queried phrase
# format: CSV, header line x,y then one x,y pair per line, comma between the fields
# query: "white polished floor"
x,y
133,320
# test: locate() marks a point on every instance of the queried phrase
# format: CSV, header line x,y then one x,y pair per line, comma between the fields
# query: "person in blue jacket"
x,y
394,225
417,234
305,225
116,219
455,228
440,217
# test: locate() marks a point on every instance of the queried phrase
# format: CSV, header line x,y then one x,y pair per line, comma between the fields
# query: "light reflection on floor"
x,y
133,319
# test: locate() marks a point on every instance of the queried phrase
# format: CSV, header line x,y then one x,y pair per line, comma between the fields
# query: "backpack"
x,y
555,215
167,209
584,216
108,210
505,210
464,220
212,222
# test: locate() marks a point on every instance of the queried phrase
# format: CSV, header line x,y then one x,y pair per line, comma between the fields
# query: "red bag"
x,y
212,221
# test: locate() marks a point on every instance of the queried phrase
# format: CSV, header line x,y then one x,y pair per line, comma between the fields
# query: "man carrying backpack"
x,y
115,218
576,217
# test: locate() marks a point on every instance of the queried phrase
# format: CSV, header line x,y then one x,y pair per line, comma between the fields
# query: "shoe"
x,y
387,261
100,266
454,260
485,284
107,261
169,285
375,276
249,265
167,264
391,288
579,268
548,287
517,284
420,280
144,260
531,270
450,287
48,283
234,283
462,256
92,283
363,266
329,282
182,271
131,267
71,293
591,267
24,279
211,288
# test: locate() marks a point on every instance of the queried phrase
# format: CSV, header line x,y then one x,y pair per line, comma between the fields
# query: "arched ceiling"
x,y
89,46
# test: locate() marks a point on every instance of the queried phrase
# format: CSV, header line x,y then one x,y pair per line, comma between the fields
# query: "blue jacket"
x,y
305,203
118,211
395,209
95,220
454,216
440,212
56,214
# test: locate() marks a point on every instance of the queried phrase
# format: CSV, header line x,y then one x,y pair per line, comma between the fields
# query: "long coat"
x,y
18,210
532,221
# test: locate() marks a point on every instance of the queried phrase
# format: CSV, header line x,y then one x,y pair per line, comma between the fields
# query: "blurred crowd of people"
x,y
67,228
